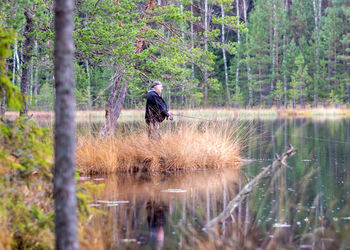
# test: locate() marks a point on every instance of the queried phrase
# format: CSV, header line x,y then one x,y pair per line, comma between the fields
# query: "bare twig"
x,y
278,163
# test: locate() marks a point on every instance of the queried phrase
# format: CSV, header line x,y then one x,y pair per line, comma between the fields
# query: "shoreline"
x,y
209,113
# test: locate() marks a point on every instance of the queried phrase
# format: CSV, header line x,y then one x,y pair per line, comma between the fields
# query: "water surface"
x,y
306,206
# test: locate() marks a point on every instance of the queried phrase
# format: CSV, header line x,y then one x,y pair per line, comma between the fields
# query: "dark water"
x,y
306,206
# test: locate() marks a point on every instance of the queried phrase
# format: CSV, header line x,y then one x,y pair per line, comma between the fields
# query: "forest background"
x,y
208,53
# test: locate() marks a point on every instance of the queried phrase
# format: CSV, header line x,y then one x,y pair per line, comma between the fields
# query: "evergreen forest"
x,y
207,53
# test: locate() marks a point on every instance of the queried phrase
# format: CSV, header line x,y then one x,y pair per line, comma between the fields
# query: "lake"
x,y
305,206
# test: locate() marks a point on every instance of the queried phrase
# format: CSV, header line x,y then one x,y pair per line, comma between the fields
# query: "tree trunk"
x,y
317,17
228,95
238,57
108,127
192,42
64,173
35,81
117,108
250,88
3,102
89,84
273,52
182,100
27,57
284,61
294,99
284,73
260,85
205,77
15,62
302,98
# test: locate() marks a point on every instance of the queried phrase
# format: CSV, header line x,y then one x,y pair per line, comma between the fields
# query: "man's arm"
x,y
162,107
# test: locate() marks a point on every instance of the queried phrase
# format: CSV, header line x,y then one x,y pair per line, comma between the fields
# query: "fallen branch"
x,y
278,163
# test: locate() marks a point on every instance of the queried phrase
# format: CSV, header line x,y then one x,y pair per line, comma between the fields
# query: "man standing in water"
x,y
156,110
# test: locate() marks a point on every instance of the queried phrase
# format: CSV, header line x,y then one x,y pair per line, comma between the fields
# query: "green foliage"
x,y
123,38
279,91
26,195
13,97
25,180
237,97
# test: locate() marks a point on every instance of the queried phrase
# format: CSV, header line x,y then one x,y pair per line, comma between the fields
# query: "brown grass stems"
x,y
190,146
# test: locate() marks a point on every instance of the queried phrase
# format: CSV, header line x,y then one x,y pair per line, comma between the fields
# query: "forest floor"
x,y
202,113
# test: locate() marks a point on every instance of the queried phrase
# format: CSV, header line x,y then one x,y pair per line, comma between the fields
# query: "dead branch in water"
x,y
278,163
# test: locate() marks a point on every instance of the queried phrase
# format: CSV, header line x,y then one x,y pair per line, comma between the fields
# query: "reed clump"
x,y
194,146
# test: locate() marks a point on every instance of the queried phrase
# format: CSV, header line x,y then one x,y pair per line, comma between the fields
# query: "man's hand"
x,y
170,116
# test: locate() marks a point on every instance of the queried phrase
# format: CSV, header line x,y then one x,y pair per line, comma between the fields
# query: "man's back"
x,y
156,108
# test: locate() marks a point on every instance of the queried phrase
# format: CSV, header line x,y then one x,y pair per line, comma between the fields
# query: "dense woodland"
x,y
208,53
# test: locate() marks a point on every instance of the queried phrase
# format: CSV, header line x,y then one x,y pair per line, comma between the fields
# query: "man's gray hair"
x,y
155,83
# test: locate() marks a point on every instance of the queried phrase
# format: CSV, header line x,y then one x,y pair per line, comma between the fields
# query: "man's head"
x,y
158,86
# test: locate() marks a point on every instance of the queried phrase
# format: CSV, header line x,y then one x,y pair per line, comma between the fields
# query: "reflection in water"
x,y
156,218
304,208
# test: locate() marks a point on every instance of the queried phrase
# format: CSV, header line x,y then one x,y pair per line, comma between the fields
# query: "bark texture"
x,y
114,107
27,57
3,102
64,173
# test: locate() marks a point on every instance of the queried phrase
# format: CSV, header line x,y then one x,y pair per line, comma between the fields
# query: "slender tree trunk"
x,y
64,173
317,17
20,64
284,72
205,77
294,99
228,95
89,84
3,102
192,41
250,88
182,100
35,81
273,52
347,53
15,62
31,79
238,56
285,87
259,77
27,57
3,94
302,98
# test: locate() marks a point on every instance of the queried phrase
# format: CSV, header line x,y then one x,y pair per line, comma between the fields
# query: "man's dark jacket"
x,y
156,109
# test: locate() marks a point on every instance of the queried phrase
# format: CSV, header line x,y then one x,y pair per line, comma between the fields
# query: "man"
x,y
156,110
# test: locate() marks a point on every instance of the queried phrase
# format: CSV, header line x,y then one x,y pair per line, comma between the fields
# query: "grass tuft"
x,y
191,146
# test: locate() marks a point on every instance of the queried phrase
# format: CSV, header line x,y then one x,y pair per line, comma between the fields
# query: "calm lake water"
x,y
306,207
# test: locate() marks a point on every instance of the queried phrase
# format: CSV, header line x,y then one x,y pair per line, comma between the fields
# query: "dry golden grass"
x,y
189,147
5,235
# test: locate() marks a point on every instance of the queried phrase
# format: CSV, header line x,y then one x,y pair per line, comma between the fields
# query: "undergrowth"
x,y
26,190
